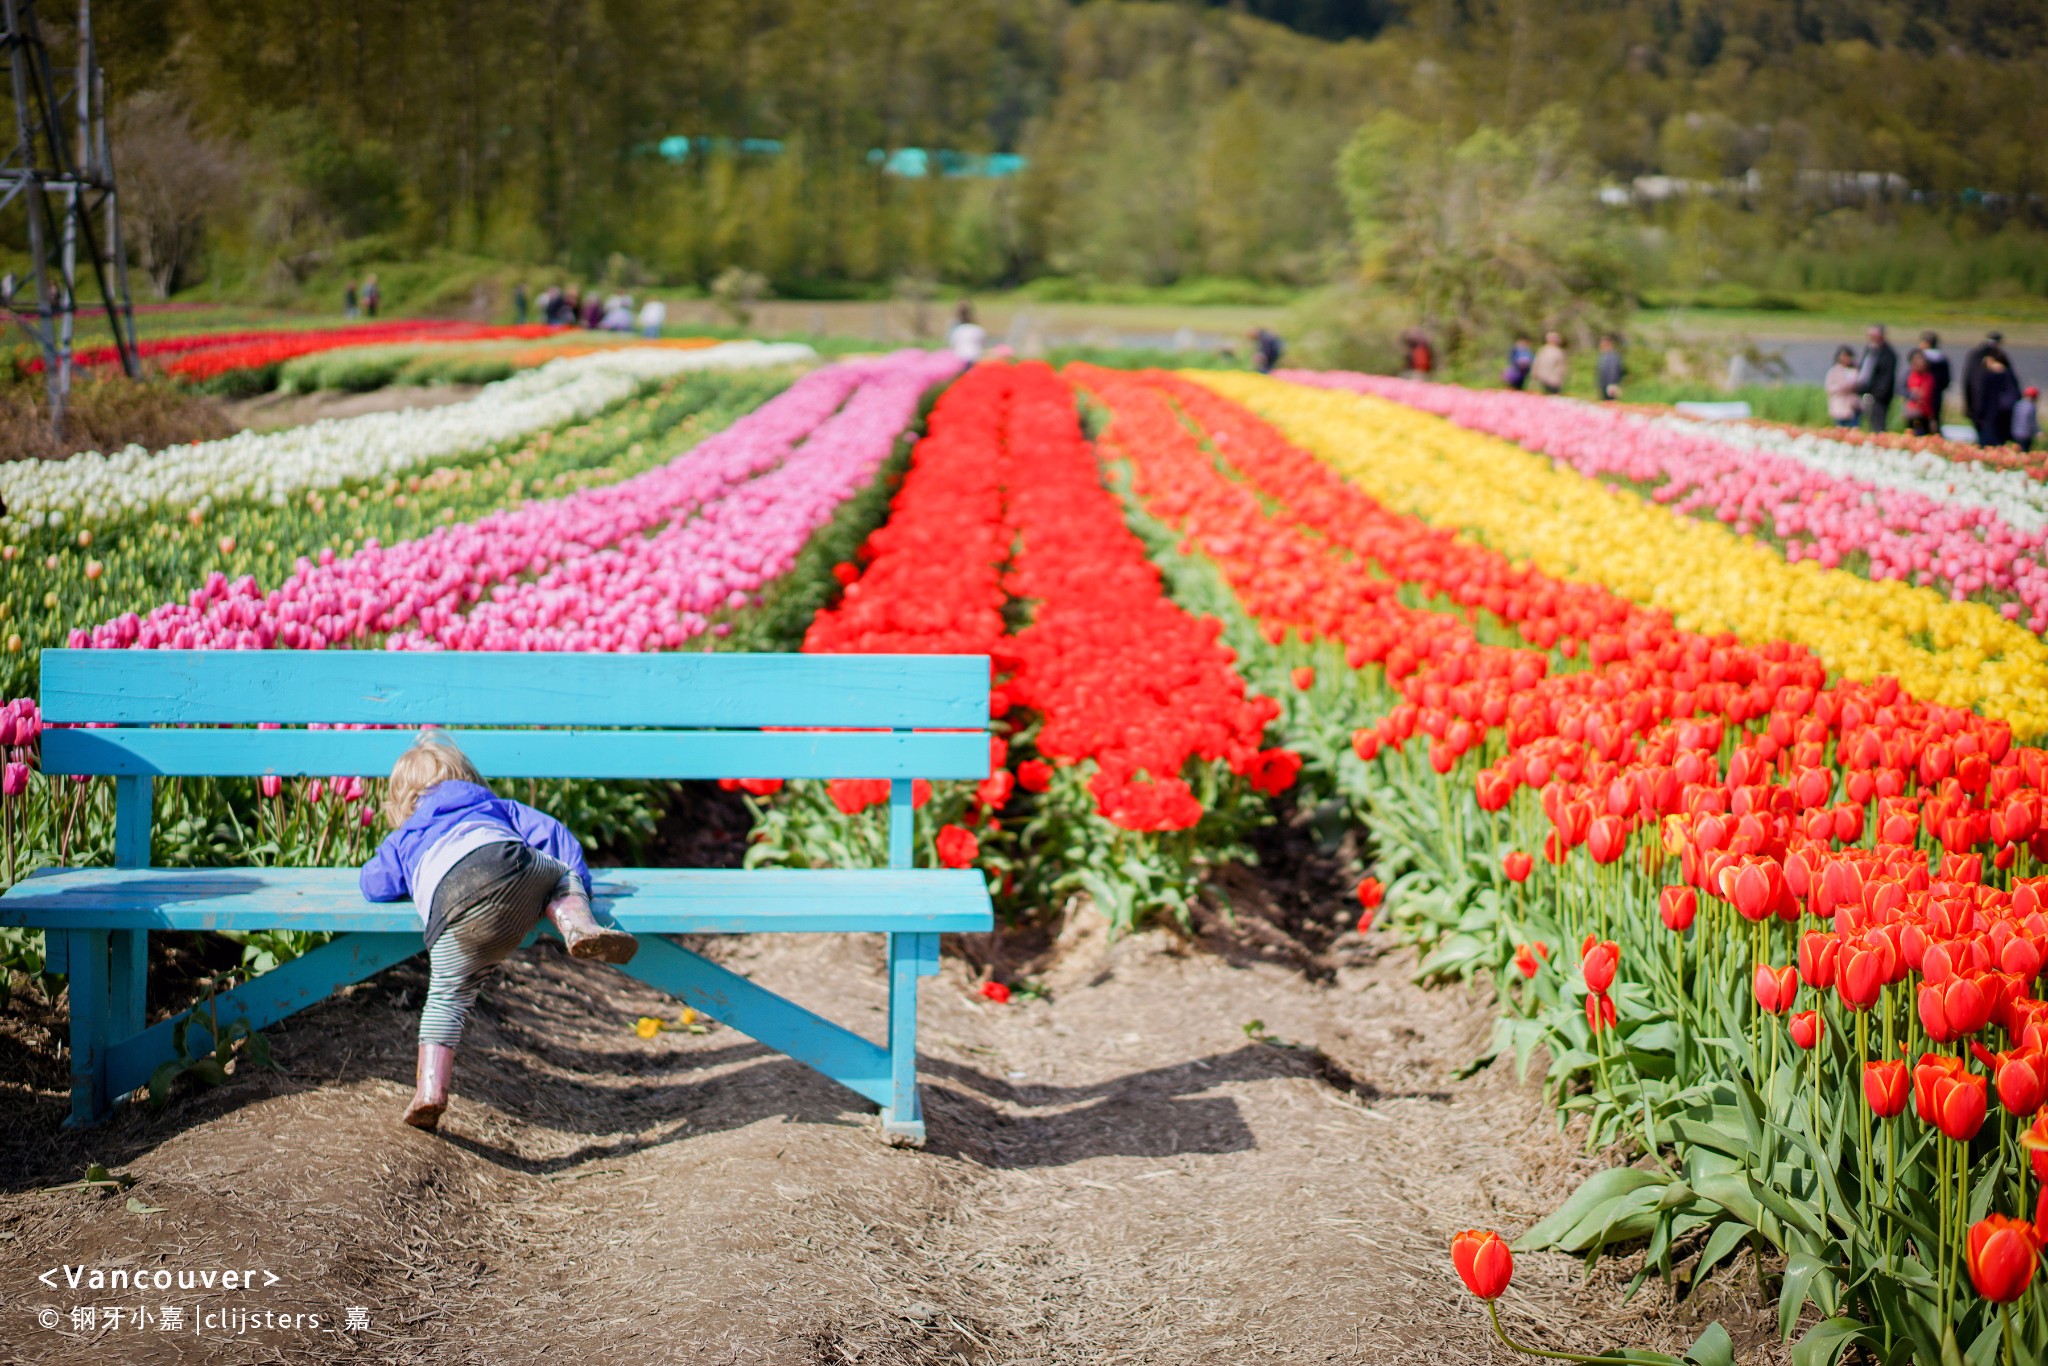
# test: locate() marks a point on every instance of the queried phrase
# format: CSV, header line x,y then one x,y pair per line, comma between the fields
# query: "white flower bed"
x,y
2015,497
273,466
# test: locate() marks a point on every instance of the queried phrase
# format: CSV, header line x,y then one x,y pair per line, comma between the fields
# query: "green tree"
x,y
1484,234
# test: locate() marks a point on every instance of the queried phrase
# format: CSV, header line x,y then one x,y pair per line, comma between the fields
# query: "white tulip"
x,y
2014,496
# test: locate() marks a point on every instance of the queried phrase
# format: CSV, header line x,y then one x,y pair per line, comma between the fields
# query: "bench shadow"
x,y
608,1102
973,1117
1153,1112
654,1099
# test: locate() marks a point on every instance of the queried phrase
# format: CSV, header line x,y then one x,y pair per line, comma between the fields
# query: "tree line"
x,y
1162,141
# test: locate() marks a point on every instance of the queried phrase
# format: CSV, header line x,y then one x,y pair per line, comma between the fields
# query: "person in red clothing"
x,y
1920,396
1421,356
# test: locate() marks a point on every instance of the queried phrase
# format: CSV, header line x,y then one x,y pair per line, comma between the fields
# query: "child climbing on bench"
x,y
481,871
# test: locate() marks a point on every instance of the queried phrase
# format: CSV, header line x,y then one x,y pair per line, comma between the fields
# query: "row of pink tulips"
x,y
658,591
426,585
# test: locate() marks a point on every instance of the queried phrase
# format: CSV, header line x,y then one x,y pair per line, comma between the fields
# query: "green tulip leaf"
x,y
1722,1241
1791,1211
1802,1269
1732,1193
1712,1348
161,1079
1827,1340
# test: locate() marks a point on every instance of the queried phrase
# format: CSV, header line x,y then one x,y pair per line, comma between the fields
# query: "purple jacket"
x,y
388,876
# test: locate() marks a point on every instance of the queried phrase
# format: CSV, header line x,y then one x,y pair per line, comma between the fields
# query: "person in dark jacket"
x,y
1877,376
1998,393
1608,369
1520,357
1266,349
1976,372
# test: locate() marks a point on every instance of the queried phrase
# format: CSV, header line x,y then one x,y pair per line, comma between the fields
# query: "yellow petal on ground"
x,y
1708,577
647,1027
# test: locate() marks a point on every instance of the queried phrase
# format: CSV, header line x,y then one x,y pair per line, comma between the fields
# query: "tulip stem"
x,y
1513,1346
1962,1237
1941,1186
1863,1112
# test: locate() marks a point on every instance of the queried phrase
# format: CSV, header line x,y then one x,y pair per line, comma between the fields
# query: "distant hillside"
x,y
1159,142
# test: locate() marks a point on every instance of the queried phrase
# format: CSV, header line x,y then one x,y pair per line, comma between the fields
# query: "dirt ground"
x,y
1117,1172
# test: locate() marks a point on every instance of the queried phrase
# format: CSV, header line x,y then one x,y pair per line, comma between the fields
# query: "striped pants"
x,y
488,902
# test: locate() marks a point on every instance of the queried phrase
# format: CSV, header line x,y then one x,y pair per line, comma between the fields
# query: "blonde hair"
x,y
432,760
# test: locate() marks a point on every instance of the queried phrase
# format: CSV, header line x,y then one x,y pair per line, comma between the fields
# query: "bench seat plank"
x,y
643,900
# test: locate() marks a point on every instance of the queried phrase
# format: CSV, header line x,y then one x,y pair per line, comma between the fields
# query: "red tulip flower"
x,y
957,846
1955,1009
1600,1012
1304,677
1483,1261
1526,961
2001,1253
1606,839
1517,865
1807,1028
2035,1141
1862,970
1775,988
1884,1088
1818,956
1034,775
996,991
1598,962
1678,906
1370,894
2022,1080
1950,1096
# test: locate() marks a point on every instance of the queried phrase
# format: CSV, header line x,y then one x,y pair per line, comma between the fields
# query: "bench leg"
x,y
87,958
127,983
911,956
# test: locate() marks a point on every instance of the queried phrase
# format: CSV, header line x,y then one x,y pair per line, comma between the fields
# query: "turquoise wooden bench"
x,y
162,713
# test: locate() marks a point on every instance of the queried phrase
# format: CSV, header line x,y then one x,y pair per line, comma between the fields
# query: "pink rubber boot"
x,y
586,938
430,1096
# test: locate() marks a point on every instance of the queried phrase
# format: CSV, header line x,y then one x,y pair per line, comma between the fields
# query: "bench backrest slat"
x,y
525,753
449,688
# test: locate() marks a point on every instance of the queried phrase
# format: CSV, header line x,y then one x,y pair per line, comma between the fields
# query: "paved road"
x,y
1809,360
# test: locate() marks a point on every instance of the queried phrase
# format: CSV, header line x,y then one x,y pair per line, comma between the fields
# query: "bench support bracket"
x,y
886,1076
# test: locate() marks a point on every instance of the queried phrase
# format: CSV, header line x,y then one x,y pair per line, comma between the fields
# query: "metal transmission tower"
x,y
64,176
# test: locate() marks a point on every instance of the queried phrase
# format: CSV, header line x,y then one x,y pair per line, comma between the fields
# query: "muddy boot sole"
x,y
427,1117
605,946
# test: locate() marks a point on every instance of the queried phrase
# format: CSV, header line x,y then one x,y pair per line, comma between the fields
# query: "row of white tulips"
x,y
2016,497
274,466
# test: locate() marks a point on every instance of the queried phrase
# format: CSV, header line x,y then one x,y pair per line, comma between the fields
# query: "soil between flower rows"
x,y
1117,1173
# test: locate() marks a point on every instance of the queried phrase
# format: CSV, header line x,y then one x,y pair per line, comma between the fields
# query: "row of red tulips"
x,y
278,343
1130,742
1771,820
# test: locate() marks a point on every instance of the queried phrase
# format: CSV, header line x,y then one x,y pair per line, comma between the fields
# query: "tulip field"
x,y
1715,748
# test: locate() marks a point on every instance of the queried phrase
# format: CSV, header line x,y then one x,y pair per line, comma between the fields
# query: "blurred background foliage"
x,y
1450,155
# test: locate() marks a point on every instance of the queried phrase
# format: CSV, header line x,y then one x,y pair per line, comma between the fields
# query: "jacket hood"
x,y
448,796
